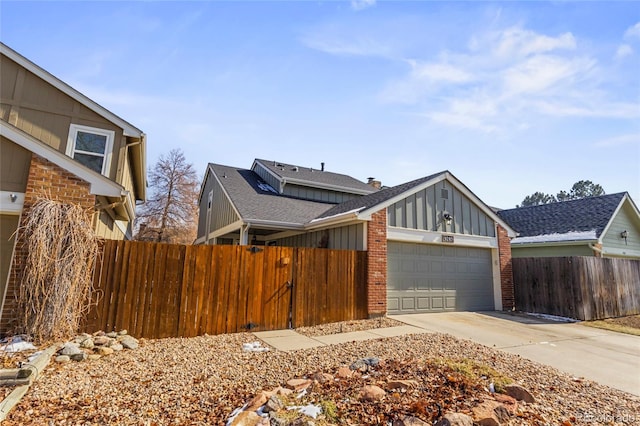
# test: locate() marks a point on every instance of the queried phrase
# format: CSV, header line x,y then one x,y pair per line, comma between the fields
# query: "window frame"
x,y
73,136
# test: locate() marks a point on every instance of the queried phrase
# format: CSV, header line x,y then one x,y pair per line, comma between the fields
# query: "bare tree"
x,y
170,213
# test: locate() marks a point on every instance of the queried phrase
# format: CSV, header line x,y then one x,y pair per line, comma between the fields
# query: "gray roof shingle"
x,y
370,200
256,200
586,214
315,176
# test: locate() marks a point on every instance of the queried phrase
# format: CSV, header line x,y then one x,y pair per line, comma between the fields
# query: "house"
x,y
604,226
432,245
58,143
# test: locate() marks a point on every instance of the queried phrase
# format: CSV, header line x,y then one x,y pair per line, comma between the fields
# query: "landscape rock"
x,y
117,347
455,419
87,343
323,377
344,372
372,393
112,334
510,403
364,364
258,401
273,404
128,342
246,418
398,384
63,358
79,356
520,393
104,350
94,357
490,413
298,384
99,333
122,332
102,341
70,348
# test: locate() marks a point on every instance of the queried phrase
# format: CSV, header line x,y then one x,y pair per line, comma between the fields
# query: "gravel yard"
x,y
202,380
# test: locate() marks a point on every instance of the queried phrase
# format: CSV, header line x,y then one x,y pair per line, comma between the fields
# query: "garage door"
x,y
436,278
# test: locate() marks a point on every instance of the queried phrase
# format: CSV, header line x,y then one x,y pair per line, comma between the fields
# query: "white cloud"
x,y
633,32
628,139
541,72
441,72
516,42
624,50
337,45
362,4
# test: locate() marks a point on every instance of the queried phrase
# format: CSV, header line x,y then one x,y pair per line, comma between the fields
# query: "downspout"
x,y
596,249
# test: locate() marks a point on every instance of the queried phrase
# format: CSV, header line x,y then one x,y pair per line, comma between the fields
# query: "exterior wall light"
x,y
624,234
447,218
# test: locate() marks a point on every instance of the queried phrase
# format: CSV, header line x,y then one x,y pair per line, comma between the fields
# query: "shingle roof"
x,y
315,176
256,200
587,214
370,200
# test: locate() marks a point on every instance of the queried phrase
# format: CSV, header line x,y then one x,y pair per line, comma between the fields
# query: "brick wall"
x,y
506,271
377,264
46,180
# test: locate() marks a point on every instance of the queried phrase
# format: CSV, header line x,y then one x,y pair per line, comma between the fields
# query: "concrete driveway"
x,y
609,358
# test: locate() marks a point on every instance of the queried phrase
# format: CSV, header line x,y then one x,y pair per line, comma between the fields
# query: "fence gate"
x,y
162,290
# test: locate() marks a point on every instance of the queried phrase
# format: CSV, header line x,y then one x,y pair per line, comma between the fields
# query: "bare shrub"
x,y
56,284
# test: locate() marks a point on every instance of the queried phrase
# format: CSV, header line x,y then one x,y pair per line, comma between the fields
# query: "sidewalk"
x,y
290,340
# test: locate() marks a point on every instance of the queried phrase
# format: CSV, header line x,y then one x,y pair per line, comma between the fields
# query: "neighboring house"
x,y
57,143
432,244
605,226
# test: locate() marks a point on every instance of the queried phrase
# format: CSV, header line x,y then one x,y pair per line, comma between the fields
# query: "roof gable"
x,y
308,176
585,218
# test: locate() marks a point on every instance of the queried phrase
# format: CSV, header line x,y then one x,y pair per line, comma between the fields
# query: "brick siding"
x,y
377,264
506,271
46,180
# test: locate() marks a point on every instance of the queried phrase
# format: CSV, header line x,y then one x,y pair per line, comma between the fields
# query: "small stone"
x,y
94,357
129,342
117,347
359,365
409,421
344,372
87,343
70,348
246,418
455,419
78,357
372,393
63,358
99,333
520,393
298,384
122,332
398,384
112,334
273,404
258,401
102,341
104,350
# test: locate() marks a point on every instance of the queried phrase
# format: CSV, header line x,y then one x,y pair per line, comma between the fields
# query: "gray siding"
x,y
315,194
423,210
267,177
221,213
342,238
625,220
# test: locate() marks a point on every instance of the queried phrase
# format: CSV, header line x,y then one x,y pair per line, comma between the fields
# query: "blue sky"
x,y
511,97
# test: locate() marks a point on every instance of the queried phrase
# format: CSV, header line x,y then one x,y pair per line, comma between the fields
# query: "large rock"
x,y
78,357
298,384
70,348
490,413
399,384
104,350
273,404
117,347
509,402
63,358
102,341
87,343
372,393
258,401
520,393
246,418
128,342
455,419
344,372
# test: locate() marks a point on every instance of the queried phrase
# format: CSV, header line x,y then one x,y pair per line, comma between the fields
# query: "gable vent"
x,y
444,193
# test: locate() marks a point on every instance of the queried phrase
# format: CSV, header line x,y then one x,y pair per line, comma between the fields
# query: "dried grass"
x,y
57,281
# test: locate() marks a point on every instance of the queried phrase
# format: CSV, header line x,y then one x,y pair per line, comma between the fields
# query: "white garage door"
x,y
436,278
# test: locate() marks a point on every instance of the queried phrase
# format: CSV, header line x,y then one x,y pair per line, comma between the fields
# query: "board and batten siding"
x,y
349,237
267,177
423,211
221,212
14,166
317,194
625,220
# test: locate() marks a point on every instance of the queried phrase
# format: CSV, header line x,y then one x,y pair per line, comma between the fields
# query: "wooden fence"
x,y
161,290
584,288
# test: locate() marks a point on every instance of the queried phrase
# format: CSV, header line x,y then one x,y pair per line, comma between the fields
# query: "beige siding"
x,y
342,238
8,225
552,251
423,210
14,166
221,213
38,108
105,227
625,220
315,194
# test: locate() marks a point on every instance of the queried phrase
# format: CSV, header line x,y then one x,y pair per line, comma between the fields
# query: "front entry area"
x,y
438,278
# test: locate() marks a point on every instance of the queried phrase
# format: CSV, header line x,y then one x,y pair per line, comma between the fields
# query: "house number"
x,y
447,238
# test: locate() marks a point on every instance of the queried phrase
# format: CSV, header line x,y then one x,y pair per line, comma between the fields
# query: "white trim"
x,y
99,184
106,155
620,252
9,206
365,240
615,213
430,237
120,225
497,284
554,243
128,128
224,230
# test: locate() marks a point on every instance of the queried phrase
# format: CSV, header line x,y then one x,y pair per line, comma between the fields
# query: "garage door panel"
x,y
438,278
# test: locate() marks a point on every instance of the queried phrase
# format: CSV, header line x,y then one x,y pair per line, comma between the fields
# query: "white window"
x,y
91,147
